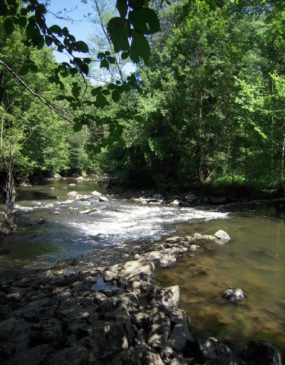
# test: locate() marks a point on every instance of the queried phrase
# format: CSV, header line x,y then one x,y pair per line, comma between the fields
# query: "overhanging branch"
x,y
32,92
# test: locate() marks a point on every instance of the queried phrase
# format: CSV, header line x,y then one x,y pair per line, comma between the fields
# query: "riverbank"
x,y
109,311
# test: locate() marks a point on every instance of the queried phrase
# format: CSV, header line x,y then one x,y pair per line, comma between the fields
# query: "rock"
x,y
173,239
72,194
203,237
73,355
103,199
96,193
194,247
191,198
217,200
72,184
41,221
49,206
175,203
211,351
129,271
234,295
222,237
152,358
261,353
80,178
164,258
170,297
35,356
37,204
14,336
57,176
180,335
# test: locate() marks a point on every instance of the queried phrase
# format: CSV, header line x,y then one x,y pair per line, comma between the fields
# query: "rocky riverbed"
x,y
105,309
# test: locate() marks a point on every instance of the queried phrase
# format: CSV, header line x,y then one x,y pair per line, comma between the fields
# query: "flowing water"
x,y
52,227
253,260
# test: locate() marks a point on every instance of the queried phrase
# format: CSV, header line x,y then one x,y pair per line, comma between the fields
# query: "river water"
x,y
65,232
52,227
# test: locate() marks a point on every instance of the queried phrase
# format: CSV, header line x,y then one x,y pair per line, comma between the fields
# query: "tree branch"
x,y
32,92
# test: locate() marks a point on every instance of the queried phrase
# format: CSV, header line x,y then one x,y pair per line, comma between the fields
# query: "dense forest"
x,y
205,105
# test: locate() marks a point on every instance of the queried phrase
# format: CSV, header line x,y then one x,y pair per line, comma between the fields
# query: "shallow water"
x,y
254,261
66,232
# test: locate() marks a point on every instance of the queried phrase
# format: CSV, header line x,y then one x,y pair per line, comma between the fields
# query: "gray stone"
x,y
175,203
34,356
214,352
222,237
73,355
234,295
103,199
14,335
180,335
170,297
173,239
72,194
152,358
96,194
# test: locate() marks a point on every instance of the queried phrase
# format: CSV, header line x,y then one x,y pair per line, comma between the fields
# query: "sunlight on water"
x,y
52,225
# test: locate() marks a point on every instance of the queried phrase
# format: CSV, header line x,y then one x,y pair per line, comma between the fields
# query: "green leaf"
x,y
104,64
100,55
76,91
136,3
111,59
55,29
101,101
119,32
83,67
33,34
22,21
122,7
9,26
112,86
124,55
96,91
81,47
144,20
48,40
77,126
139,48
105,92
116,95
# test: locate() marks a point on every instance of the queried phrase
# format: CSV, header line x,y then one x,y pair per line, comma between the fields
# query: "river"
x,y
52,227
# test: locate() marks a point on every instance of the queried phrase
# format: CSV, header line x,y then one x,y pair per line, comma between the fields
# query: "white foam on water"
x,y
134,222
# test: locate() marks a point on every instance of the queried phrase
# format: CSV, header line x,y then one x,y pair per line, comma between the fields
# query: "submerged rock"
x,y
234,295
261,353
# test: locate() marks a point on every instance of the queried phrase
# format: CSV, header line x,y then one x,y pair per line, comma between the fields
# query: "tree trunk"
x,y
282,161
8,225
